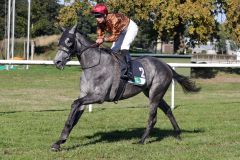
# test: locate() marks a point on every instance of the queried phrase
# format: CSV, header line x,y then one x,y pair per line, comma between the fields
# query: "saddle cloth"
x,y
138,74
139,79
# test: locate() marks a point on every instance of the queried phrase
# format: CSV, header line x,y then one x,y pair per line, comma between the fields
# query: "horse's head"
x,y
67,47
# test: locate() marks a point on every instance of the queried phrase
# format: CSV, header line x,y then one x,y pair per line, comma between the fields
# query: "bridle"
x,y
74,50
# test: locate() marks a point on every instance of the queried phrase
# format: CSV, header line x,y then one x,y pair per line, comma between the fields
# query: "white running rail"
x,y
173,65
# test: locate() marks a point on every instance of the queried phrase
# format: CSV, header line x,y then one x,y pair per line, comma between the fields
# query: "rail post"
x,y
173,92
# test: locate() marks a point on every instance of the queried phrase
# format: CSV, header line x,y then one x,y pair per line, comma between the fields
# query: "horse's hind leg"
x,y
167,110
151,121
155,94
77,110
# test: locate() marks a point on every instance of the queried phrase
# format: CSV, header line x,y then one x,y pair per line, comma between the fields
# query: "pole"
x,y
90,107
32,49
28,30
24,49
13,27
173,90
5,30
8,30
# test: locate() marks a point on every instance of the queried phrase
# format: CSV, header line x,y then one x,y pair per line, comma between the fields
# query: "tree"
x,y
3,14
78,12
20,18
44,14
222,36
136,10
232,10
173,17
43,17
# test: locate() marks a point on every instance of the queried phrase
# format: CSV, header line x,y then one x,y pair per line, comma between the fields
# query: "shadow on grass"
x,y
49,110
114,136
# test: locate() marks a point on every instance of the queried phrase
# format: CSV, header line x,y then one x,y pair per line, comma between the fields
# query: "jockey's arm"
x,y
100,31
113,37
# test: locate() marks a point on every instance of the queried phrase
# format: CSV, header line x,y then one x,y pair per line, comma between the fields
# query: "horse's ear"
x,y
73,29
63,29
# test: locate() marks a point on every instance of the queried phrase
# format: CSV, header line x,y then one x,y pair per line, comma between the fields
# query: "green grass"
x,y
35,103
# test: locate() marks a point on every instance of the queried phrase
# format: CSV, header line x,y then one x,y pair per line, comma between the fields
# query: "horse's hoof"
x,y
178,137
55,147
141,142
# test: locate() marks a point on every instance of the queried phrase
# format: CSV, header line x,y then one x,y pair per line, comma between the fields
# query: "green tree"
x,y
78,12
44,14
21,18
43,17
3,13
173,17
222,36
232,10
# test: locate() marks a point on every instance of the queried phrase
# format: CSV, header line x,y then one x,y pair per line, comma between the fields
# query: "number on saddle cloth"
x,y
138,73
137,69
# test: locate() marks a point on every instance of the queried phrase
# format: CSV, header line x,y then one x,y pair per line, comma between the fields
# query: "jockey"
x,y
123,31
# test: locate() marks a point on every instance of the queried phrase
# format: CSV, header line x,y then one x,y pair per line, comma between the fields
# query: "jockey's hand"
x,y
99,41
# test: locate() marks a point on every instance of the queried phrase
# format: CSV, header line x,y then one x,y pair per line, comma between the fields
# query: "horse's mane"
x,y
86,37
91,42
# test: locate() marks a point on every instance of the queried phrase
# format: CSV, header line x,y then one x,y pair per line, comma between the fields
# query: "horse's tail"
x,y
187,84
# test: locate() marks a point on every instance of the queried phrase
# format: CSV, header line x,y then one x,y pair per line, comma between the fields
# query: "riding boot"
x,y
127,57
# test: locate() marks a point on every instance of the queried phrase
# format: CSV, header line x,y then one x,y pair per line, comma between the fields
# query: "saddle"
x,y
139,76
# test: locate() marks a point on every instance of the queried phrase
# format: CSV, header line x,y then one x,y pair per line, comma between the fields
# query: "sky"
x,y
61,1
221,18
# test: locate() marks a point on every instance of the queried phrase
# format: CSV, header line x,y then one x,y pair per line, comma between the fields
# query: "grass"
x,y
35,103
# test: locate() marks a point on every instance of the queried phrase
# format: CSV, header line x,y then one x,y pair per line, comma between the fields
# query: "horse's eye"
x,y
68,42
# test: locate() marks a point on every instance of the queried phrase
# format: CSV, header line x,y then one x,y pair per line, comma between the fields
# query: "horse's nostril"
x,y
56,62
59,62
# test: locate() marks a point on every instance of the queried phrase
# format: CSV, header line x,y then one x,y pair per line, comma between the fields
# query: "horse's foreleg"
x,y
151,122
77,110
167,110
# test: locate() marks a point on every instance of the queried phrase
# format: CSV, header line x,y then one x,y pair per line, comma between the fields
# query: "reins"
x,y
95,45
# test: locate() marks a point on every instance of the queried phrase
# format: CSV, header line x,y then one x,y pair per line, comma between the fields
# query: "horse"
x,y
101,77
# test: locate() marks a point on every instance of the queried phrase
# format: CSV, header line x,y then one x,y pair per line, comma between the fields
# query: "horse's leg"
x,y
155,94
151,121
167,110
77,110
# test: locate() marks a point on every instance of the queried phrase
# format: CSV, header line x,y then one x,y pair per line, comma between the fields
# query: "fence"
x,y
173,65
214,58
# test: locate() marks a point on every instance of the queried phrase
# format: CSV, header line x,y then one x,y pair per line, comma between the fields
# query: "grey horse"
x,y
101,77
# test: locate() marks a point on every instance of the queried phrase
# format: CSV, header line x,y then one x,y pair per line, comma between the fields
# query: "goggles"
x,y
98,15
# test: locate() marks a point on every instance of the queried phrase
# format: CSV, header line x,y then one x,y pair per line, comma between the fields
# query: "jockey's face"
x,y
100,19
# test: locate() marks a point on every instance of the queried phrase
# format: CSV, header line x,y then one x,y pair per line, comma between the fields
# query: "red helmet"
x,y
100,8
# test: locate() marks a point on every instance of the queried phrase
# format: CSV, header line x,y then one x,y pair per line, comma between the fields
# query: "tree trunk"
x,y
178,37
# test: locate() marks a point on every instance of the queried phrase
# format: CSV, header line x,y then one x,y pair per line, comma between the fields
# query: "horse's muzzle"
x,y
58,64
61,59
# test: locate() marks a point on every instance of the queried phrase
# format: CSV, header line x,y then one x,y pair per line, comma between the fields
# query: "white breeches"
x,y
126,37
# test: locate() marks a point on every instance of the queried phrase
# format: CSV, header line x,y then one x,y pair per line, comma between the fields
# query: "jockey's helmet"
x,y
99,10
